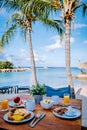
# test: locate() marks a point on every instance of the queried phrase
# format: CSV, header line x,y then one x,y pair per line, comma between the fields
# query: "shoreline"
x,y
21,69
81,76
14,70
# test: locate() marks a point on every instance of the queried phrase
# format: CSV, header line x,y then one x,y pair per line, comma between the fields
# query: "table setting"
x,y
21,111
29,114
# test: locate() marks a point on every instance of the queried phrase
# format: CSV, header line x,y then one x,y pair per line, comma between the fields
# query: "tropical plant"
x,y
68,9
28,13
39,89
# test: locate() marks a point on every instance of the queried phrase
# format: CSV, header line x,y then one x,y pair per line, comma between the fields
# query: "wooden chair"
x,y
50,91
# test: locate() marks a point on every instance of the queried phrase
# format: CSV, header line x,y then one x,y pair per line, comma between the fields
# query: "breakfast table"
x,y
50,121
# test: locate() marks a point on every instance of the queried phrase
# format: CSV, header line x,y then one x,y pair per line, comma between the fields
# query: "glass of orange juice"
x,y
66,98
4,105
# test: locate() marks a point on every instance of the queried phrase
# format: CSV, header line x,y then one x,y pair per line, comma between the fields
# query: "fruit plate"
x,y
12,104
18,122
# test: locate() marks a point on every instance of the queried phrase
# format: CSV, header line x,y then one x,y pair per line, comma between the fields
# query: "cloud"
x,y
22,58
72,39
76,26
85,41
39,58
57,44
3,11
5,57
24,55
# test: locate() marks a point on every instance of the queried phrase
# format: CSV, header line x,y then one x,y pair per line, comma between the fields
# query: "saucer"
x,y
71,111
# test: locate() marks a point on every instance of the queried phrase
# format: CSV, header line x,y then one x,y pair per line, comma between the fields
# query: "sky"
x,y
48,50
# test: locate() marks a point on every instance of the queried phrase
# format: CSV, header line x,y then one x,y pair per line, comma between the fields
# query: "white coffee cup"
x,y
55,99
30,105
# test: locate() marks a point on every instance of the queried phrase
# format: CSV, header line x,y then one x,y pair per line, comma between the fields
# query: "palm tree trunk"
x,y
68,58
33,69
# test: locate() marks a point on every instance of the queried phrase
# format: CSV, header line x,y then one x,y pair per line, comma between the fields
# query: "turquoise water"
x,y
54,77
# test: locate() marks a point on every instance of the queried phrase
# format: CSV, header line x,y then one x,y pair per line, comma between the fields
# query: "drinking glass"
x,y
4,105
30,105
66,98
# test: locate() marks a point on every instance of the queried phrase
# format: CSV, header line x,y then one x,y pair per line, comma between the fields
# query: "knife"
x,y
76,107
41,117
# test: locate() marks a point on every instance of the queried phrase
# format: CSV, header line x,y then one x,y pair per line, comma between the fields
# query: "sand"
x,y
81,93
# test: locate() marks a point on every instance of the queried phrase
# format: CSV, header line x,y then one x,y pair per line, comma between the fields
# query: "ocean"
x,y
53,76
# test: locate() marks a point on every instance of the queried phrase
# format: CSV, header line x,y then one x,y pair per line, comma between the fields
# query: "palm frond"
x,y
34,7
55,24
1,3
84,9
75,4
72,4
0,46
11,4
0,43
8,35
14,18
23,33
65,4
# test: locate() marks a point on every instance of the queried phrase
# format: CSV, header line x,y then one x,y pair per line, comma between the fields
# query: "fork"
x,y
35,118
38,119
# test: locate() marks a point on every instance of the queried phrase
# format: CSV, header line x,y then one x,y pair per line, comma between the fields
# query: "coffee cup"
x,y
55,100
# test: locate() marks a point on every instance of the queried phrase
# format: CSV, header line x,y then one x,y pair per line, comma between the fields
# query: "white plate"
x,y
66,116
12,104
18,122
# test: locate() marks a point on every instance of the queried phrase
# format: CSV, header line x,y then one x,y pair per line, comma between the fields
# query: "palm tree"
x,y
67,9
25,25
28,13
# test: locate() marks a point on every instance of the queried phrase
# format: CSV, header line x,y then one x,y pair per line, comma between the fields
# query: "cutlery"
x,y
63,105
32,124
36,117
77,107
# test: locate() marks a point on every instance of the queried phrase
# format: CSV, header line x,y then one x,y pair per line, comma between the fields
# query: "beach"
x,y
80,91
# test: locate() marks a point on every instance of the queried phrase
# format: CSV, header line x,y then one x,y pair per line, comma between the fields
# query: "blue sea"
x,y
53,76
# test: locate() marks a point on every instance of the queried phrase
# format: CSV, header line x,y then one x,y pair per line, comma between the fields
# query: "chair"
x,y
4,89
19,88
50,91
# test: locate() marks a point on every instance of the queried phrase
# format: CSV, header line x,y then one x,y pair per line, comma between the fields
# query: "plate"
x,y
12,104
66,116
18,122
